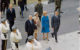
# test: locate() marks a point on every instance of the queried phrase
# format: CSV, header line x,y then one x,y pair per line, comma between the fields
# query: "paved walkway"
x,y
69,41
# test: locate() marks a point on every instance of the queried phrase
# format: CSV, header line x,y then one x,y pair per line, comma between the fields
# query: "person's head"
x,y
30,39
14,29
36,14
39,1
30,17
10,6
3,20
56,13
44,13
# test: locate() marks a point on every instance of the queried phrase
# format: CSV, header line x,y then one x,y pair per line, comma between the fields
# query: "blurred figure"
x,y
4,27
30,27
10,15
55,23
32,44
37,23
14,2
4,5
25,4
45,25
21,4
58,5
15,38
39,9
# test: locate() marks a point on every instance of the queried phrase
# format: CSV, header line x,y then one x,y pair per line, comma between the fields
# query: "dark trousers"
x,y
40,18
15,2
16,44
11,23
22,9
4,44
28,36
56,28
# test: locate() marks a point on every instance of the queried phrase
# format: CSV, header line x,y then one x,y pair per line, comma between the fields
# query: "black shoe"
x,y
56,41
52,35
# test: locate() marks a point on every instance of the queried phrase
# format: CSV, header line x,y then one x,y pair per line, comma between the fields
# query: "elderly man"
x,y
15,38
4,27
33,44
55,23
30,26
10,15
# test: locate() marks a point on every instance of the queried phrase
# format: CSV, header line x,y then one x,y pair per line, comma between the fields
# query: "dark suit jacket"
x,y
10,15
29,28
55,21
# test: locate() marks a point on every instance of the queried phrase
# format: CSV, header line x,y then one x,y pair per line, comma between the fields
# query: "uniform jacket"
x,y
35,46
55,21
11,14
4,30
45,24
29,28
15,37
39,9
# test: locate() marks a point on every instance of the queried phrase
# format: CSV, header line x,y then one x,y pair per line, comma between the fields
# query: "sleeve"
x,y
26,26
52,21
14,13
7,14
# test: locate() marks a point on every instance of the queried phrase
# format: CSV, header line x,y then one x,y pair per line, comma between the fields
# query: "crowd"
x,y
40,21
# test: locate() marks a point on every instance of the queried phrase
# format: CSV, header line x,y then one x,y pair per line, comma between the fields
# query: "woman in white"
x,y
15,38
32,44
37,23
4,28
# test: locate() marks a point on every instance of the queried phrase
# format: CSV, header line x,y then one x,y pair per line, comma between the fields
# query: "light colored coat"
x,y
15,37
35,46
4,29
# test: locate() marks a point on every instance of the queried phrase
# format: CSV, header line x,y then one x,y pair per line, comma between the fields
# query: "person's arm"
x,y
52,21
7,14
14,14
26,26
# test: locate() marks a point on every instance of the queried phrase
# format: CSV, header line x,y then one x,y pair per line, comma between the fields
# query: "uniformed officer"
x,y
39,9
4,27
15,38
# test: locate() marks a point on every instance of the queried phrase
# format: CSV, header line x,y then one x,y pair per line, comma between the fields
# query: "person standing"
x,y
39,9
25,4
37,23
4,27
55,23
15,38
11,16
30,27
21,4
32,44
45,25
58,5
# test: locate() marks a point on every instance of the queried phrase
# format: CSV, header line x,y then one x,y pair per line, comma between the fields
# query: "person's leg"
x,y
22,9
15,2
11,24
35,34
2,45
47,36
43,36
40,18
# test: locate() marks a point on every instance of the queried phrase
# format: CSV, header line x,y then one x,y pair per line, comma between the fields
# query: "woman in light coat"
x,y
37,24
15,38
4,27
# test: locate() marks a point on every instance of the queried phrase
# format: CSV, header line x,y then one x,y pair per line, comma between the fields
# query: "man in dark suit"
x,y
10,15
39,9
30,27
55,23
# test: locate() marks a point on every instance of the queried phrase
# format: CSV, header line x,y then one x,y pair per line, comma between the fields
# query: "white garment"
x,y
35,46
15,37
4,29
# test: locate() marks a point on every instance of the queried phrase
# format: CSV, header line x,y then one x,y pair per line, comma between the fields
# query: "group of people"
x,y
40,21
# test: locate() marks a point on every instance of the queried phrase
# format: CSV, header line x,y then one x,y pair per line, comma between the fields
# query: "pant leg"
x,y
40,18
4,44
15,2
11,24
